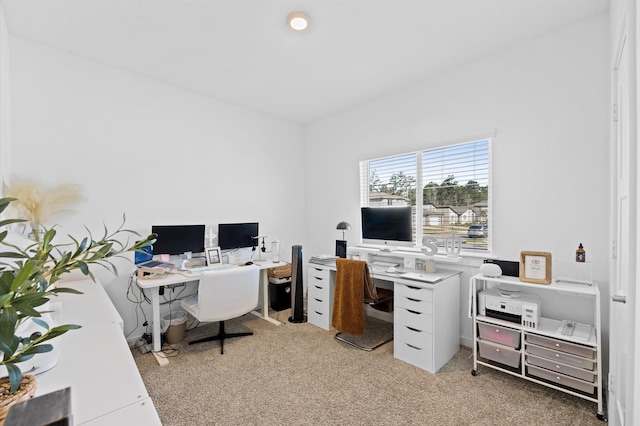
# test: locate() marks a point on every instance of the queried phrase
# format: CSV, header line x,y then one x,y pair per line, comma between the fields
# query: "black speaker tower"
x,y
297,289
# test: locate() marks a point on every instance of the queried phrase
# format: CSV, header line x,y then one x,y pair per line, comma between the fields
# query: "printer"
x,y
510,305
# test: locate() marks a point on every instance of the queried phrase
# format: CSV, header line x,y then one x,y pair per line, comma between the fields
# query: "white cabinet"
x,y
320,291
570,362
426,322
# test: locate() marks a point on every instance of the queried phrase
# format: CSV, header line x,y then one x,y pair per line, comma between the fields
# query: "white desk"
x,y
96,362
153,286
426,311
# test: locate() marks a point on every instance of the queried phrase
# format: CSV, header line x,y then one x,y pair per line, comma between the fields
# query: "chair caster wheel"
x,y
474,373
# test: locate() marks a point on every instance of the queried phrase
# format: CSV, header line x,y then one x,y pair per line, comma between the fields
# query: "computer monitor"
x,y
237,235
178,239
387,225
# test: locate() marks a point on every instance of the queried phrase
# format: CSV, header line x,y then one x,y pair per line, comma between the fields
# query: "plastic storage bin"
x,y
561,379
499,353
503,335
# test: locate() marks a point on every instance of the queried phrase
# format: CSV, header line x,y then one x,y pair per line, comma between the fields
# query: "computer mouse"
x,y
249,263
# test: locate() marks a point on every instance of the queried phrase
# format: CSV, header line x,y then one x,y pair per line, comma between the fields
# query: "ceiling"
x,y
242,52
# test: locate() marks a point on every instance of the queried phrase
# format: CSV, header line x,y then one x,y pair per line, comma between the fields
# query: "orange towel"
x,y
352,278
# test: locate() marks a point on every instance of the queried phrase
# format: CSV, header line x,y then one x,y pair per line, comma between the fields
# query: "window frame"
x,y
365,182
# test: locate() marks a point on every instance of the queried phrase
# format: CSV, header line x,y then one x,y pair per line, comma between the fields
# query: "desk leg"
x,y
155,306
264,286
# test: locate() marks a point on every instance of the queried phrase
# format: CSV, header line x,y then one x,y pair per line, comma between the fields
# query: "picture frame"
x,y
213,255
535,267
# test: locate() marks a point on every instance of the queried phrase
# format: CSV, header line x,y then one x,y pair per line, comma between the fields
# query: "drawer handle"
x,y
413,312
413,288
320,279
497,350
319,313
557,345
497,330
413,347
558,367
413,300
319,300
318,287
412,329
557,355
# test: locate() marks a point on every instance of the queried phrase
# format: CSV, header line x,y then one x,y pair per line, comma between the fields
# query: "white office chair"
x,y
222,295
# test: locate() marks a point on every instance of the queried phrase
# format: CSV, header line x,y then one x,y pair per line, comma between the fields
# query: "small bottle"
x,y
580,254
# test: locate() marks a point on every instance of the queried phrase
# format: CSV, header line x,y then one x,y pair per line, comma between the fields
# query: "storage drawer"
x,y
319,318
319,305
561,379
414,293
417,338
420,357
579,373
563,357
499,353
413,298
416,320
322,274
498,334
318,288
561,345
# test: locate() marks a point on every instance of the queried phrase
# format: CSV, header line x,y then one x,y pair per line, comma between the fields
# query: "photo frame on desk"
x,y
535,267
213,255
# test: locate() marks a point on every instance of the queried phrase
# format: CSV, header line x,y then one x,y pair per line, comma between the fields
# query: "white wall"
x,y
548,103
159,154
5,125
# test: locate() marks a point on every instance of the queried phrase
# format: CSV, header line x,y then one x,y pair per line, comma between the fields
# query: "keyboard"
x,y
209,268
429,278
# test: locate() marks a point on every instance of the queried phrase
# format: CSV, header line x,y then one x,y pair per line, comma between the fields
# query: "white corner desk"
x,y
153,285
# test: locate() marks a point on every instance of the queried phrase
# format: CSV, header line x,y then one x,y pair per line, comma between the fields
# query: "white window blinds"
x,y
454,195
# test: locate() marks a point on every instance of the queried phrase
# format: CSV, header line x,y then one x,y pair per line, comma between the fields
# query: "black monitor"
x,y
237,235
178,239
387,225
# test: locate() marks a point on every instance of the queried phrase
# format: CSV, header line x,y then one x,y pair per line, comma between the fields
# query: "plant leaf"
x,y
15,377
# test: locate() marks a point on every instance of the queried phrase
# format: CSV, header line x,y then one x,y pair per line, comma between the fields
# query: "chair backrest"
x,y
228,293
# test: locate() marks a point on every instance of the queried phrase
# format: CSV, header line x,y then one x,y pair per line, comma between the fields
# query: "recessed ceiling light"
x,y
298,20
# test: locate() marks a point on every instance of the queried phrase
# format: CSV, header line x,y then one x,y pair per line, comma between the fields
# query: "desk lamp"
x,y
341,245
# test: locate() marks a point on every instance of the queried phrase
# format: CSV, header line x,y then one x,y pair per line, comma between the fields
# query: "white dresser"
x,y
321,286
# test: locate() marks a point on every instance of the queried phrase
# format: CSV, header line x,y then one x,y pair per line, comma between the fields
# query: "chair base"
x,y
222,335
353,340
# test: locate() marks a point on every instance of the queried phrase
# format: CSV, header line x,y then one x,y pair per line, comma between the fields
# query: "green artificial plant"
x,y
27,278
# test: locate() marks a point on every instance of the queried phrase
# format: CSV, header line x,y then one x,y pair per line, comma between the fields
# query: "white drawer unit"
x,y
320,290
413,325
423,322
568,363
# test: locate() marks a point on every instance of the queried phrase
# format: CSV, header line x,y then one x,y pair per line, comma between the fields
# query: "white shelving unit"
x,y
543,355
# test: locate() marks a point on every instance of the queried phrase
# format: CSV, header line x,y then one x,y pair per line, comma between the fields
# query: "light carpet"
x,y
298,374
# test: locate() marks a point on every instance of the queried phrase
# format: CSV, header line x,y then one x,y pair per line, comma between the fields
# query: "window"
x,y
453,195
